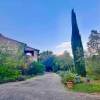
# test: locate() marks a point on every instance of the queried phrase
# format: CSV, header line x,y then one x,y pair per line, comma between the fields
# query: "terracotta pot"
x,y
70,84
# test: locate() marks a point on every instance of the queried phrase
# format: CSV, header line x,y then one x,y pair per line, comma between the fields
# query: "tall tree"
x,y
94,43
77,48
93,59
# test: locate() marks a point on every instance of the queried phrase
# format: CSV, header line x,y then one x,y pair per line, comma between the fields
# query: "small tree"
x,y
65,61
48,59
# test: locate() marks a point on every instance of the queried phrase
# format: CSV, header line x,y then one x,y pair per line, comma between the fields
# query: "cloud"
x,y
64,46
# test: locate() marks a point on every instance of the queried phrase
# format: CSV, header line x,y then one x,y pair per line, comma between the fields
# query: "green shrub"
x,y
78,79
55,68
36,68
61,73
68,76
93,67
8,74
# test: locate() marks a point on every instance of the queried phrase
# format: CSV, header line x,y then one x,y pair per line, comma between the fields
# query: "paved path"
x,y
46,87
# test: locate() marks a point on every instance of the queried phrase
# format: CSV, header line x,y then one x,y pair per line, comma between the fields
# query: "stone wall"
x,y
16,50
13,49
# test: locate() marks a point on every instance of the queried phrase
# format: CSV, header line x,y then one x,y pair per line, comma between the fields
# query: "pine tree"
x,y
77,48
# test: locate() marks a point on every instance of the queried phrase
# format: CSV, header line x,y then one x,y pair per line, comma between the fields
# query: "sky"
x,y
46,24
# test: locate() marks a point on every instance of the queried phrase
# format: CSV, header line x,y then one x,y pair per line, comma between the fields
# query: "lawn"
x,y
87,88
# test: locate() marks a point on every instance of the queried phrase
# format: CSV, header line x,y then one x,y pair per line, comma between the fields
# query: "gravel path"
x,y
46,87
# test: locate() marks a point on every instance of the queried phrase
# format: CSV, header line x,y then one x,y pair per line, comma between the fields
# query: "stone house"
x,y
18,49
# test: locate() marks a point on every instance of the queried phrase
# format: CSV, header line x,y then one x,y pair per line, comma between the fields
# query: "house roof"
x,y
27,48
11,39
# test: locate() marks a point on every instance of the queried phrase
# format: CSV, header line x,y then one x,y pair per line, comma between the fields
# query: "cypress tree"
x,y
77,48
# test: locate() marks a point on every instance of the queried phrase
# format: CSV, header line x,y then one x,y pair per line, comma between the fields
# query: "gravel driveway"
x,y
46,87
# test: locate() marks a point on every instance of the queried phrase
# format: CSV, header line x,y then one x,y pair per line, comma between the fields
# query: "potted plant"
x,y
68,79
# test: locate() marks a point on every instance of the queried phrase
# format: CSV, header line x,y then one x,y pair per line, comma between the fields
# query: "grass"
x,y
87,88
92,87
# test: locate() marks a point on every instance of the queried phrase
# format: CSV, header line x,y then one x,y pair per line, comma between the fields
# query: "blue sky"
x,y
46,24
